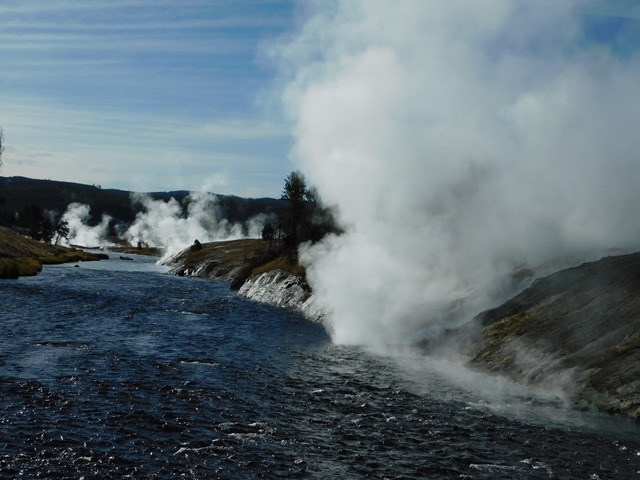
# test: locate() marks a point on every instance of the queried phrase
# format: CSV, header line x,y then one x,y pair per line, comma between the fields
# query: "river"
x,y
116,369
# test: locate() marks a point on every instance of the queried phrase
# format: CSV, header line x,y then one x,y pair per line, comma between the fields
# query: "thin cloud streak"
x,y
135,44
155,152
223,23
158,89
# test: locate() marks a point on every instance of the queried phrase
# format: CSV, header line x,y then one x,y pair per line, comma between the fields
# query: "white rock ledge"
x,y
282,289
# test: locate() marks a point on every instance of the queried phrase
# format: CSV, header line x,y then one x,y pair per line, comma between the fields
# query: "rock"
x,y
576,330
197,246
235,261
283,289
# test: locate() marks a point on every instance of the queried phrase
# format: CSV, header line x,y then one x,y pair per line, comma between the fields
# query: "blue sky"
x,y
144,94
175,94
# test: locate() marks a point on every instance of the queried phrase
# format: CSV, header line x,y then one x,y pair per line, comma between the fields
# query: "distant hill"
x,y
51,195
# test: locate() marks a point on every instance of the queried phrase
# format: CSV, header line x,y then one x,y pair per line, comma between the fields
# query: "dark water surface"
x,y
115,370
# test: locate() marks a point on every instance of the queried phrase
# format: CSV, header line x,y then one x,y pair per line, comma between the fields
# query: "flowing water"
x,y
118,370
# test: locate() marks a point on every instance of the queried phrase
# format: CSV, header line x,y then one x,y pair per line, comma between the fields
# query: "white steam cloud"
x,y
166,225
77,217
459,141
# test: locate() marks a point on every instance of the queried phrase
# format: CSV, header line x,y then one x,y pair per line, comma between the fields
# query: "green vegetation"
x,y
306,219
295,193
492,352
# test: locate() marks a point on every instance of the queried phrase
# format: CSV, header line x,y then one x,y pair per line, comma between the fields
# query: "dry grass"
x,y
19,267
21,256
233,260
283,262
230,253
493,351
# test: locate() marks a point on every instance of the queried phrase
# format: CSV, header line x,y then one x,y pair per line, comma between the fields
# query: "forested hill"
x,y
18,192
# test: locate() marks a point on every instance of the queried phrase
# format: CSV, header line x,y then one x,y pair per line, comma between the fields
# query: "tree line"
x,y
306,218
32,219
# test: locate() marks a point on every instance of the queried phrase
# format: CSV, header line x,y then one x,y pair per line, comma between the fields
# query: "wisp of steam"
x,y
460,142
77,217
164,225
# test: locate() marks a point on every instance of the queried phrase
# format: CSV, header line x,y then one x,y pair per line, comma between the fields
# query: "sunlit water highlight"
x,y
118,370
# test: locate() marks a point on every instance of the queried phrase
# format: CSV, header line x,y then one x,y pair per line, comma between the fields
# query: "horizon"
x,y
106,187
194,95
146,95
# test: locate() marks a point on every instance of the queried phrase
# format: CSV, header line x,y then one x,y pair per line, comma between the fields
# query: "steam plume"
x,y
165,224
459,141
77,216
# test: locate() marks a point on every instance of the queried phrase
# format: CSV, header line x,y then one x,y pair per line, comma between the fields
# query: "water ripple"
x,y
141,375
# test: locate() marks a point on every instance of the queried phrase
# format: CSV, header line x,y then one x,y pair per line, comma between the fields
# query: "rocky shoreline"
x,y
252,269
283,289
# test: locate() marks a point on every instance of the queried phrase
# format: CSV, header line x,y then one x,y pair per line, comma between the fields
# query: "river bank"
x,y
577,330
21,256
253,269
574,332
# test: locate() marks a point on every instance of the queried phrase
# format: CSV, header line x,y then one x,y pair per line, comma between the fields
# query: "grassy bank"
x,y
233,260
21,256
